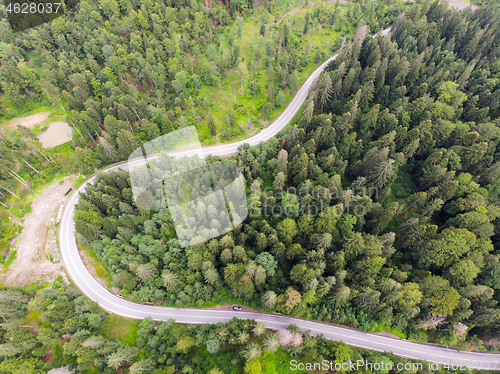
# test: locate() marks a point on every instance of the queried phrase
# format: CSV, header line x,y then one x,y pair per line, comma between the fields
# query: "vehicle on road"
x,y
236,307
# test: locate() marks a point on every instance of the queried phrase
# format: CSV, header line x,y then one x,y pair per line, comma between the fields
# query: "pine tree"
x,y
294,82
306,24
307,114
211,125
211,276
282,161
11,296
146,272
271,343
252,352
325,89
325,241
139,367
383,173
171,281
268,300
120,356
259,329
340,296
94,342
243,337
317,56
213,345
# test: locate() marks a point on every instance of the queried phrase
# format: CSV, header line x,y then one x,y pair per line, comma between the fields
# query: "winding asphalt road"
x,y
114,304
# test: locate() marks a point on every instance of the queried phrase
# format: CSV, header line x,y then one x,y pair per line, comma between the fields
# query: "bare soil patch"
x,y
29,121
33,253
460,5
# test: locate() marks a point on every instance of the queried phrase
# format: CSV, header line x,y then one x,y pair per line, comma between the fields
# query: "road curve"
x,y
114,304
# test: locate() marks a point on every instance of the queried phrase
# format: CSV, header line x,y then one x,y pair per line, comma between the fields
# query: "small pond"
x,y
57,133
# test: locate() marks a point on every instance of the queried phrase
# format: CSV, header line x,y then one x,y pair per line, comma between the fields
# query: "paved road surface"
x,y
114,304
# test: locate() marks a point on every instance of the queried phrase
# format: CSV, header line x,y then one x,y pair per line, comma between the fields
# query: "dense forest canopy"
x,y
398,145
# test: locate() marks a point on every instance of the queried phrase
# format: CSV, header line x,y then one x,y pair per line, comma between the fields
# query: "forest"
x,y
377,208
59,331
398,145
122,73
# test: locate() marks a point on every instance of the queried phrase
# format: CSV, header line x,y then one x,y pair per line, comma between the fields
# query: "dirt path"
x,y
34,245
29,121
286,14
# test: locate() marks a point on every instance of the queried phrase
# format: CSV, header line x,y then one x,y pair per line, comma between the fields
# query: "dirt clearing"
x,y
461,5
34,247
30,121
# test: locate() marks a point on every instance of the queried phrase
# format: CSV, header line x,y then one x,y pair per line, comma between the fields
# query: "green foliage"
x,y
388,179
213,345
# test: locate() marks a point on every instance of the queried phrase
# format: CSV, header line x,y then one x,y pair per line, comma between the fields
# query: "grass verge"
x,y
97,268
121,328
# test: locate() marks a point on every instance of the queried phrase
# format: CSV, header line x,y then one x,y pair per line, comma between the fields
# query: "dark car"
x,y
149,303
236,307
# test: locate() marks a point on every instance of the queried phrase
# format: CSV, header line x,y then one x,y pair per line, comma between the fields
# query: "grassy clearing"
x,y
65,148
121,328
230,96
80,181
398,333
27,110
56,114
279,362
